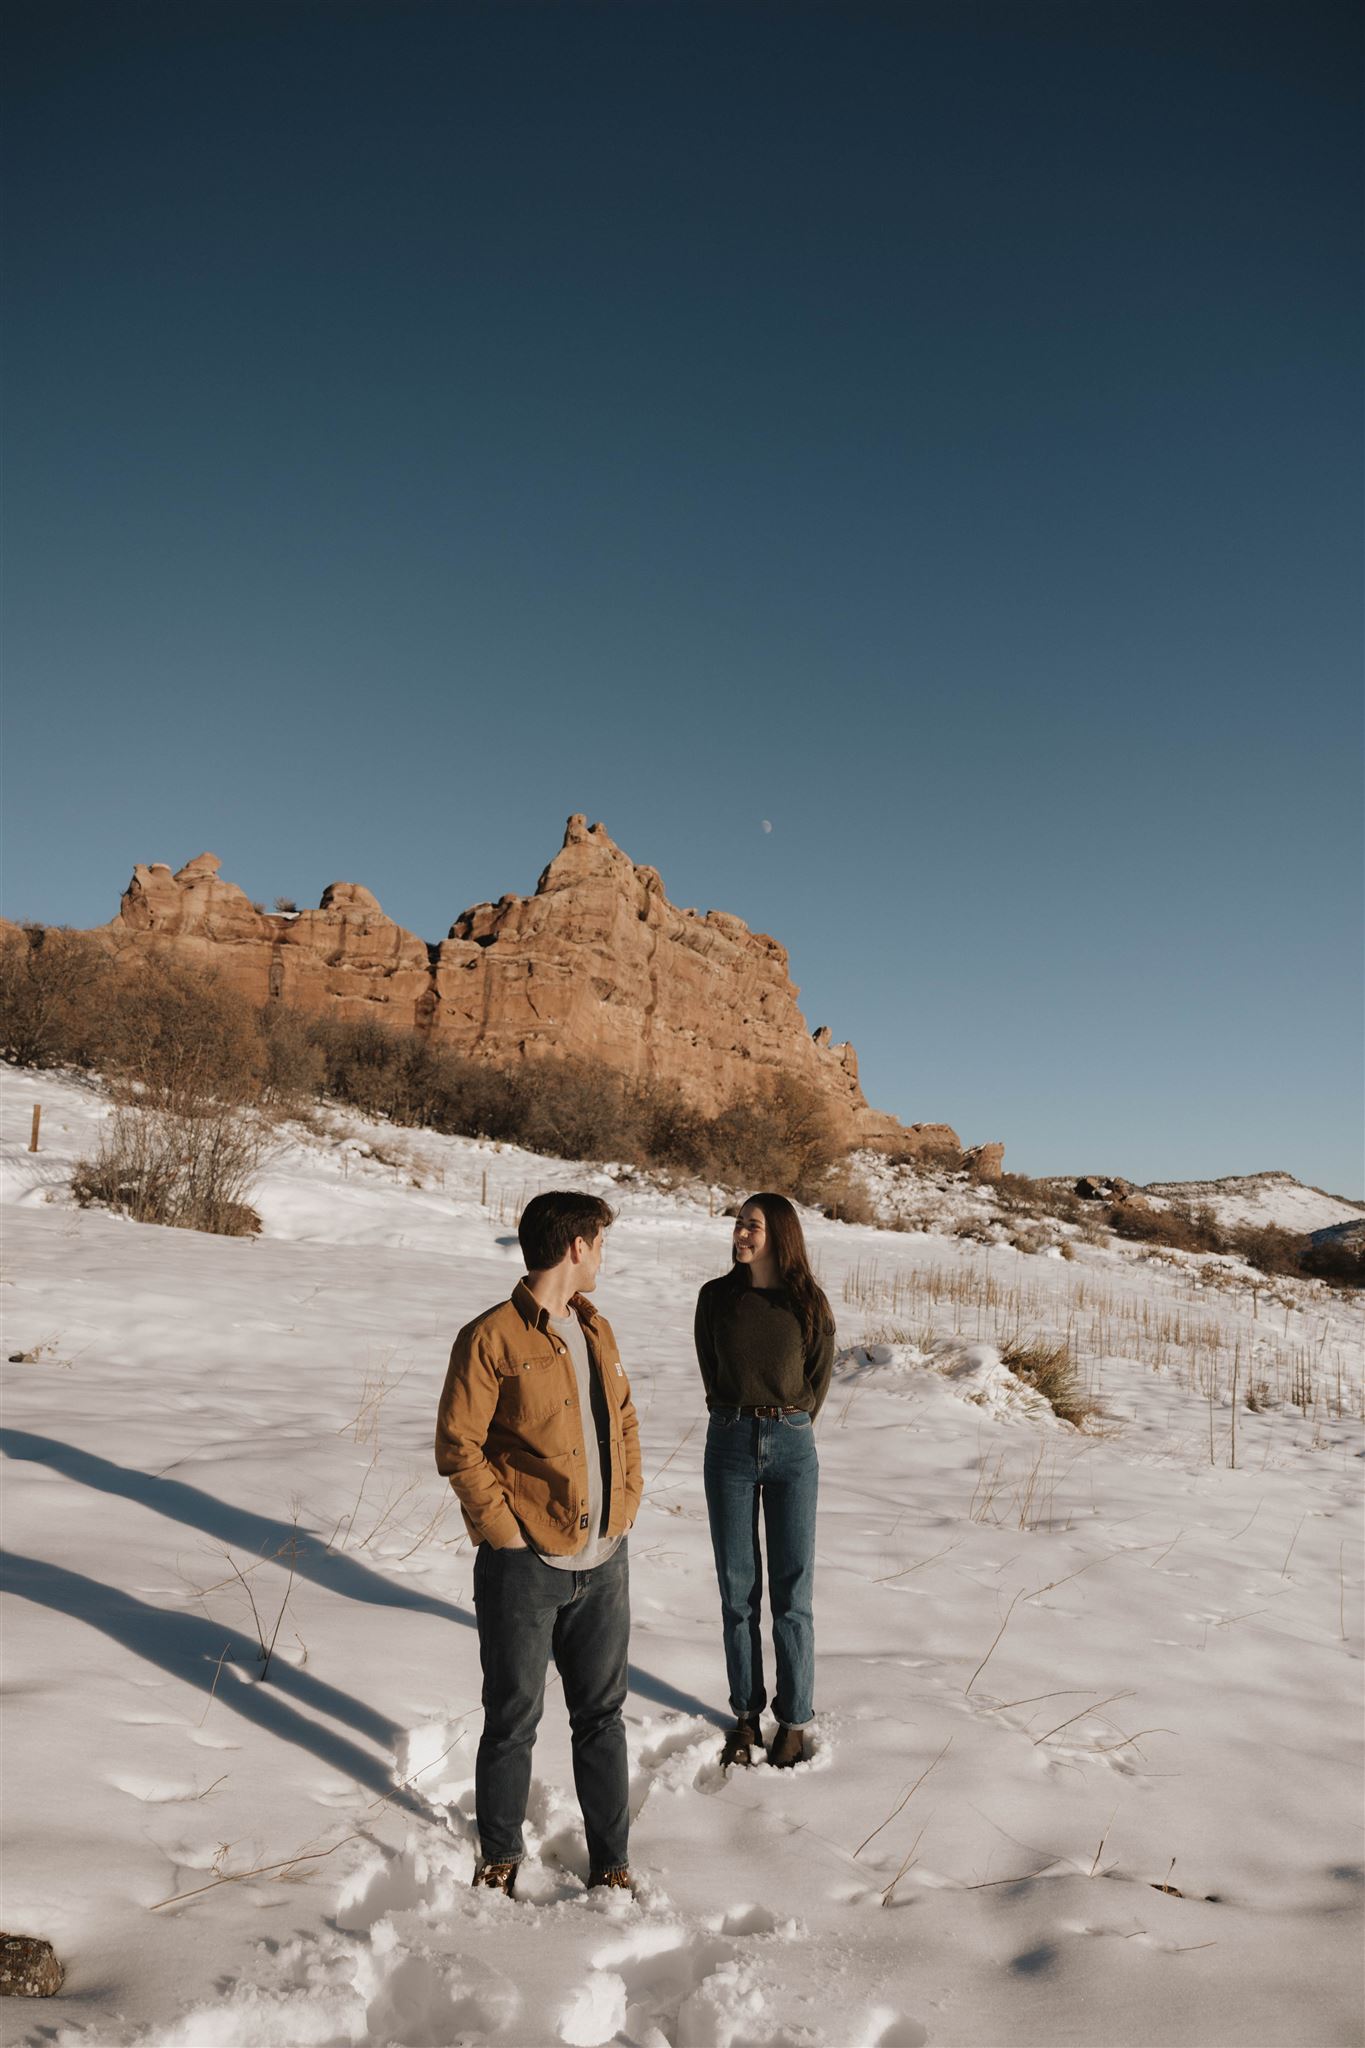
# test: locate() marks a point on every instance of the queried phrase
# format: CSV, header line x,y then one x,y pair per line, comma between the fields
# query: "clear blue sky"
x,y
932,428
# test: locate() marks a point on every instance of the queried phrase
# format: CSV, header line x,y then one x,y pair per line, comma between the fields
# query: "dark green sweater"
x,y
751,1351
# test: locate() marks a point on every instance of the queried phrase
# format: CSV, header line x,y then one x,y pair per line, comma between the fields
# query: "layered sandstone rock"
x,y
597,964
345,957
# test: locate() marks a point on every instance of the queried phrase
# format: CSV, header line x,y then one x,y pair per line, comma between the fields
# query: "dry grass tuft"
x,y
1052,1371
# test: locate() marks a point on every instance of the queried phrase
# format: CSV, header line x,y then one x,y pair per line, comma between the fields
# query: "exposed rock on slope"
x,y
596,964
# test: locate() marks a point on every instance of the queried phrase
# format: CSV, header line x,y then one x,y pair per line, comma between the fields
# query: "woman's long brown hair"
x,y
787,1242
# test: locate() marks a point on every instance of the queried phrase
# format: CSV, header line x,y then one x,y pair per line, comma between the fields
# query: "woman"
x,y
765,1345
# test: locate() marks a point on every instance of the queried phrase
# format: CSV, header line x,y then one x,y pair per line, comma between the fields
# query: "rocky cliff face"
x,y
597,964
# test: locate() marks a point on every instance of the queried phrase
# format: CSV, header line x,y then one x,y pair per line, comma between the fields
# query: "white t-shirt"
x,y
596,1548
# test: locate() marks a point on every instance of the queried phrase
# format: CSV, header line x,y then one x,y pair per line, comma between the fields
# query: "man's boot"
x,y
497,1877
618,1880
787,1747
740,1742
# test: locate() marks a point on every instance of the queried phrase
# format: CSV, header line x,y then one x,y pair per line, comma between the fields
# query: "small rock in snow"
x,y
28,1967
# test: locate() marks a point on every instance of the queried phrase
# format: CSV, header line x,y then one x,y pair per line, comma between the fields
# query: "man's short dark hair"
x,y
550,1223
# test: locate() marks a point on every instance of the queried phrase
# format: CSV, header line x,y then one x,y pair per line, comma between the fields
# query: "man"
x,y
537,1434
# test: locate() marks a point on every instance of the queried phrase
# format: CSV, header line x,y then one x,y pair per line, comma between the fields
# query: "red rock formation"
x,y
597,964
345,957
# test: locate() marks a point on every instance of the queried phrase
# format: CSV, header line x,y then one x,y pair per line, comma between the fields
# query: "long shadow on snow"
x,y
271,1538
312,1557
189,1647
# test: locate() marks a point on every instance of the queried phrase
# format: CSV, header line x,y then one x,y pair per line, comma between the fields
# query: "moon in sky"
x,y
767,824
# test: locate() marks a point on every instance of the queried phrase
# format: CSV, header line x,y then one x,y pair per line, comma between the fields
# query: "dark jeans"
x,y
752,1463
529,1612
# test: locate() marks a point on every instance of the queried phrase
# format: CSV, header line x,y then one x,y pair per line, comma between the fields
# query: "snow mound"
x,y
974,1373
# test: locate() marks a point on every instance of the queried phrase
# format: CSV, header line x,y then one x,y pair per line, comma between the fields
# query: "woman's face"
x,y
751,1235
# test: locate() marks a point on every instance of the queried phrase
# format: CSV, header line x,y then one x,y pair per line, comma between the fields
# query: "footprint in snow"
x,y
682,1753
751,1919
642,1984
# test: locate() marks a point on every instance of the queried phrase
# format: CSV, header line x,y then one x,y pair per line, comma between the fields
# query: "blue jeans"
x,y
527,1613
755,1462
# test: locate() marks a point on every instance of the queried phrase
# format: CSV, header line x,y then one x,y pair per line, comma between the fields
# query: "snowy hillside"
x,y
1088,1763
1263,1198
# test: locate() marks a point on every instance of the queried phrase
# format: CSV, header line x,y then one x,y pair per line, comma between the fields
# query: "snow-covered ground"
x,y
1088,1765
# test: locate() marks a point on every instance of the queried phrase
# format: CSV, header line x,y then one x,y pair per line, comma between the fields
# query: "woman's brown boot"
x,y
740,1742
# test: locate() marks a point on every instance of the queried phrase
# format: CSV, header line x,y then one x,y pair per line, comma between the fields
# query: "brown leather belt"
x,y
771,1414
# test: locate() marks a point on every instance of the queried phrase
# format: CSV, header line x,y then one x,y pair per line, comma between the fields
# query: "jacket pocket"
x,y
543,1488
531,1391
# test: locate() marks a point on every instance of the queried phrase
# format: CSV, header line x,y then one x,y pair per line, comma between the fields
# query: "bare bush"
x,y
575,1110
782,1139
186,1060
1181,1228
1019,1193
847,1197
1030,1237
188,1168
55,988
179,1040
975,1230
939,1156
295,1065
1267,1246
670,1129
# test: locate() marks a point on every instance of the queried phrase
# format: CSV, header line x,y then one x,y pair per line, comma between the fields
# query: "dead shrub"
x,y
1052,1371
669,1129
55,988
847,1198
187,1061
781,1139
380,1072
179,1040
295,1065
575,1111
1032,1238
1176,1227
939,1157
1020,1194
190,1169
1266,1246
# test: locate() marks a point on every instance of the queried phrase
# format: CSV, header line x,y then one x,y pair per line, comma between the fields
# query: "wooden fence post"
x,y
37,1119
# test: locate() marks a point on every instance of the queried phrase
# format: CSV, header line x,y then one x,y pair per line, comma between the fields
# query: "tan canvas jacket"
x,y
509,1436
